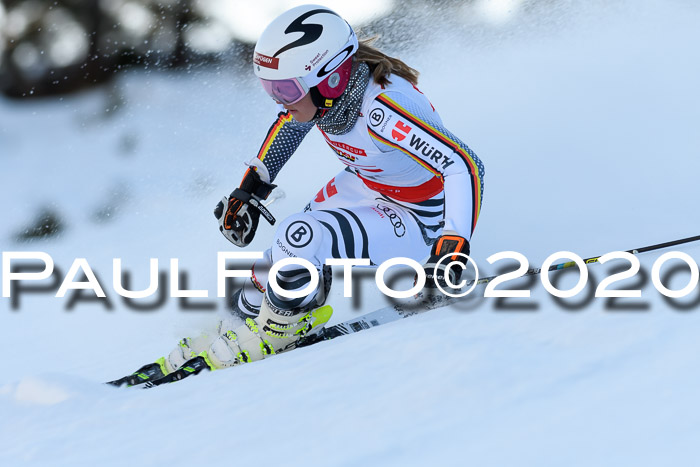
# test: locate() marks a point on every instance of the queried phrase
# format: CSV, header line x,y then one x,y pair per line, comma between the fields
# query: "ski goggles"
x,y
286,91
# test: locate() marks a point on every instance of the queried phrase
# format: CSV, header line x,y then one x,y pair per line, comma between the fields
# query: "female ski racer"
x,y
409,188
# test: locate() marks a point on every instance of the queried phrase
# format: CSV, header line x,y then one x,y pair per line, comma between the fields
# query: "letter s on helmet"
x,y
307,47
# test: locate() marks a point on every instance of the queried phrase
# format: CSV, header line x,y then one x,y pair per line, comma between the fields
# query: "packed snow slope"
x,y
586,116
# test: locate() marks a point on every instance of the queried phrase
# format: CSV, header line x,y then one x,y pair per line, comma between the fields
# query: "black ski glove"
x,y
445,245
238,214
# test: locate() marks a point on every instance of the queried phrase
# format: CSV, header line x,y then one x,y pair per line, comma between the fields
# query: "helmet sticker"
x,y
311,31
317,59
268,62
336,61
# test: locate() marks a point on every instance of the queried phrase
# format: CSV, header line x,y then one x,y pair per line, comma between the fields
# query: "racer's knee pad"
x,y
299,236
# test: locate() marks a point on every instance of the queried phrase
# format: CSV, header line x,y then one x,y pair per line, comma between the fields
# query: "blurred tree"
x,y
58,46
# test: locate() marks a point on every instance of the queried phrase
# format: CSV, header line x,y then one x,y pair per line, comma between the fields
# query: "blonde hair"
x,y
383,65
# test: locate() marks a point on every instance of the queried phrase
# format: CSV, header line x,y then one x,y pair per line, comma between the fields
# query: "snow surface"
x,y
586,116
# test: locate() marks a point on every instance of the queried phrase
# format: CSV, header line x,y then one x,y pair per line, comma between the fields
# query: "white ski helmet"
x,y
307,48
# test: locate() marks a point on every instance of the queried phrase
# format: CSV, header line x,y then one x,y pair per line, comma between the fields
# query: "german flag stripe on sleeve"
x,y
282,119
383,140
444,139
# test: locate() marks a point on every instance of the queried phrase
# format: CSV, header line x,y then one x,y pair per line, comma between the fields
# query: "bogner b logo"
x,y
299,234
376,117
400,131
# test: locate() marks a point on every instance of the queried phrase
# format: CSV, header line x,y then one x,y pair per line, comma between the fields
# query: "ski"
x,y
148,372
378,317
369,320
152,375
191,367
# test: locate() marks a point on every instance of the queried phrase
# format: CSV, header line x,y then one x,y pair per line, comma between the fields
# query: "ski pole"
x,y
274,196
594,259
